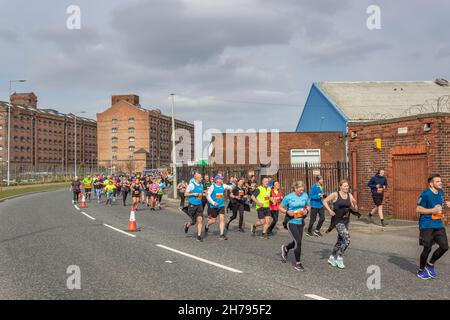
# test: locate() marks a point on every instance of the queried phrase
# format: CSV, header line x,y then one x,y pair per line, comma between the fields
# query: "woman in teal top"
x,y
296,206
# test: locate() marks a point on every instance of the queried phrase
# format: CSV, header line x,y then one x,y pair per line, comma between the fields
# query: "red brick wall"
x,y
331,145
435,144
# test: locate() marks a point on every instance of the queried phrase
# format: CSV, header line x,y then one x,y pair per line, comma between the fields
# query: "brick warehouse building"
x,y
411,149
43,139
294,147
131,138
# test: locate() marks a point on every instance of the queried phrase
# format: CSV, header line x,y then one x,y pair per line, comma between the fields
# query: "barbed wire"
x,y
440,104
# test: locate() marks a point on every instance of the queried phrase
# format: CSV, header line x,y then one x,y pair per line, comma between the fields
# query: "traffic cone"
x,y
83,201
132,223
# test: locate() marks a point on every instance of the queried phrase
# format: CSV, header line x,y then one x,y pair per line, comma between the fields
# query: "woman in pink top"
x,y
275,200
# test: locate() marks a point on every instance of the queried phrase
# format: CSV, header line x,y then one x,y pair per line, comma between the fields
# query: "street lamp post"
x,y
75,139
174,156
9,129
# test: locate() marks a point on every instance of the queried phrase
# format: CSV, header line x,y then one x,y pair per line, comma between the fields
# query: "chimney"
x,y
24,99
130,98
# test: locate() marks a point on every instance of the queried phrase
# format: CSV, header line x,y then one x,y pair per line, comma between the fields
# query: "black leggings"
x,y
296,231
435,257
312,219
124,196
182,198
76,195
238,207
274,214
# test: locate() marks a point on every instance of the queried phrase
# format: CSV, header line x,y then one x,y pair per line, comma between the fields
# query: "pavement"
x,y
43,235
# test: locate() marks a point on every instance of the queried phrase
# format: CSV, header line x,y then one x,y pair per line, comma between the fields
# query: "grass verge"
x,y
19,191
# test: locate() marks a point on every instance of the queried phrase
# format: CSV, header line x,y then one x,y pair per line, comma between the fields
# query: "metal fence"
x,y
332,173
46,174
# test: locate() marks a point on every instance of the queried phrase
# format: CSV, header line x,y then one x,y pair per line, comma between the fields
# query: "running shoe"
x,y
73,201
186,227
384,224
309,234
253,230
284,253
340,262
241,230
270,233
223,237
299,267
199,239
317,233
430,270
264,236
332,261
424,275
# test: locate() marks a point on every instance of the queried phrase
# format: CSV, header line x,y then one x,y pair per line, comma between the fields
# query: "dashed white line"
x,y
92,218
315,297
118,230
200,259
76,207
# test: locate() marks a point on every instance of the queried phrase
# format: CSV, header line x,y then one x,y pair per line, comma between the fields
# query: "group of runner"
x,y
297,205
146,189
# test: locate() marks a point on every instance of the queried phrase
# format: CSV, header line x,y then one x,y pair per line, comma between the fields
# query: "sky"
x,y
231,64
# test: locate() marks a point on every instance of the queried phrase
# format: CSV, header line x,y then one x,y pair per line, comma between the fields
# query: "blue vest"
x,y
218,195
194,199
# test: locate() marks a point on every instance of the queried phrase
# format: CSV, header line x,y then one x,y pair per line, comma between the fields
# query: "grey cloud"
x,y
8,36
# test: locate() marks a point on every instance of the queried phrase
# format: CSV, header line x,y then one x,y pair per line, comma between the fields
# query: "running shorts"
x,y
429,237
195,211
263,212
377,198
88,190
214,212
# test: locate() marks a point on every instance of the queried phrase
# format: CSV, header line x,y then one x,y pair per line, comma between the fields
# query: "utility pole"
x,y
174,156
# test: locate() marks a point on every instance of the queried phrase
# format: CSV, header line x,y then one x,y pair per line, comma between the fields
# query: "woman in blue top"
x,y
296,206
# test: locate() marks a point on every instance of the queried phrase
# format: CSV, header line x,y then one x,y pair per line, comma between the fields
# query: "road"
x,y
41,235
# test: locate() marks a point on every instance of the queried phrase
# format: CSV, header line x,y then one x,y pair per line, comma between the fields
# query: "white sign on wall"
x,y
402,130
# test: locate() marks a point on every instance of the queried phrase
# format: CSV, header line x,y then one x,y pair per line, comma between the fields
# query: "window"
x,y
300,156
131,130
1,148
114,121
114,130
1,127
114,139
114,158
131,139
114,149
131,120
1,117
131,148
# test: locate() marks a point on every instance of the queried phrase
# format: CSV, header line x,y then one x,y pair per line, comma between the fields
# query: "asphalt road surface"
x,y
42,235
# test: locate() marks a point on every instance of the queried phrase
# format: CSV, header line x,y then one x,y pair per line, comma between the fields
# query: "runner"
x,y
75,189
87,182
109,192
216,199
431,226
181,187
296,206
160,194
344,204
136,188
238,199
98,187
316,194
377,185
206,184
194,193
125,190
261,196
152,195
275,199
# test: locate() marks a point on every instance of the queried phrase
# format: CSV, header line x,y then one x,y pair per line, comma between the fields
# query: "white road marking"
x,y
200,259
76,207
111,227
92,218
168,261
316,297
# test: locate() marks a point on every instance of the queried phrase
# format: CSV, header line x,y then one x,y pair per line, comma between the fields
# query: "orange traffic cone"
x,y
132,223
83,201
